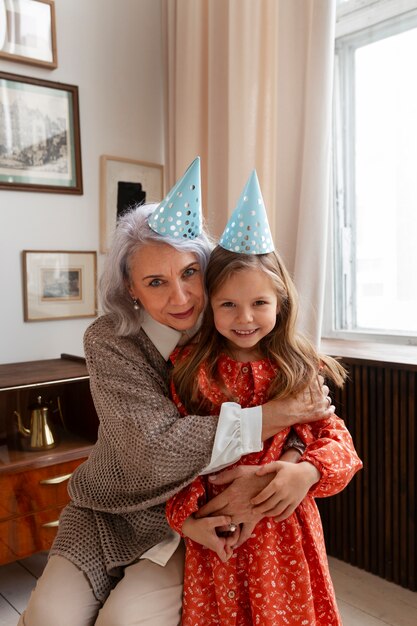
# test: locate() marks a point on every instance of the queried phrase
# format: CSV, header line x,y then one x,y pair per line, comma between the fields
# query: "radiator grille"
x,y
372,524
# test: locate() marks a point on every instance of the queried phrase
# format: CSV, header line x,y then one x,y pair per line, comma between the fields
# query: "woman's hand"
x,y
246,531
204,531
312,404
235,500
289,486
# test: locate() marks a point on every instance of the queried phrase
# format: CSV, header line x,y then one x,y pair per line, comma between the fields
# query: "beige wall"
x,y
112,51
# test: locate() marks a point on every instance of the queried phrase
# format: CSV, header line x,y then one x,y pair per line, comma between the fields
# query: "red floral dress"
x,y
280,575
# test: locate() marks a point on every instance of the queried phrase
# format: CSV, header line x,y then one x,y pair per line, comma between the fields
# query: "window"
x,y
374,257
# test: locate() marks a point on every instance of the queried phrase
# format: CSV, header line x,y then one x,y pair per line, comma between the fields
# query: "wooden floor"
x,y
364,599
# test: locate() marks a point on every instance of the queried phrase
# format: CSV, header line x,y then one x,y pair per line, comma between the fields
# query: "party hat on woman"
x,y
179,215
247,231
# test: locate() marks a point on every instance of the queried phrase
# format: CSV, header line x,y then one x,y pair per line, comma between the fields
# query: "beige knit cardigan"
x,y
144,454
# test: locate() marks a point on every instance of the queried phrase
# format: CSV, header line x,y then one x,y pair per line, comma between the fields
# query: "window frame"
x,y
359,22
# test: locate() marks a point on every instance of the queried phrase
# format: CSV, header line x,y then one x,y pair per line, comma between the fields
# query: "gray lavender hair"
x,y
133,232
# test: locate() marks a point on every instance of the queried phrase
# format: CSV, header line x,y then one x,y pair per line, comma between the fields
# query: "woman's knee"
x,y
42,613
62,596
147,595
161,607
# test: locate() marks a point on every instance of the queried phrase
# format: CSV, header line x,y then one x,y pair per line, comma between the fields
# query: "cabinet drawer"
x,y
34,490
22,536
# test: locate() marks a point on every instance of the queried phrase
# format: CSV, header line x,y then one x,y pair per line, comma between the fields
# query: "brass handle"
x,y
53,524
55,480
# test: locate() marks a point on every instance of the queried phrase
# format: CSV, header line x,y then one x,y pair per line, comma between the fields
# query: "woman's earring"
x,y
136,304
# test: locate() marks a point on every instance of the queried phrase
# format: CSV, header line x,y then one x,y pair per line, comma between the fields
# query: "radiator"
x,y
372,523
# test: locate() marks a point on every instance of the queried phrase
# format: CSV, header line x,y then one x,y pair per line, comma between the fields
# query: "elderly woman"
x,y
115,559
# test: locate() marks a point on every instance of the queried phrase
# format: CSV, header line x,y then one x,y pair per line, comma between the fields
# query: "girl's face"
x,y
168,283
245,310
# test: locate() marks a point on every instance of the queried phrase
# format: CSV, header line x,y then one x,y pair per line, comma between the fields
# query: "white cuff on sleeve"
x,y
238,433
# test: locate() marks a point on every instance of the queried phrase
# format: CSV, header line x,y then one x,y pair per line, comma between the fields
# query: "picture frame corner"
x,y
58,291
110,167
30,57
59,154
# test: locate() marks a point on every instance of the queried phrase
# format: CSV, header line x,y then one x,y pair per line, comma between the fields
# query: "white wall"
x,y
112,52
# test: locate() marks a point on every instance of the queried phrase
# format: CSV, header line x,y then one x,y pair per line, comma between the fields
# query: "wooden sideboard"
x,y
33,483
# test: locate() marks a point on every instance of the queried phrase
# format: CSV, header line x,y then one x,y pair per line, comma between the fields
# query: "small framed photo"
x,y
123,184
28,32
59,284
40,146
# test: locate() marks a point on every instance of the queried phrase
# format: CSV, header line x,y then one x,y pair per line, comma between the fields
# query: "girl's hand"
x,y
246,483
286,490
204,532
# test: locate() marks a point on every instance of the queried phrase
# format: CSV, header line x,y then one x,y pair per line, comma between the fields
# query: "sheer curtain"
x,y
248,84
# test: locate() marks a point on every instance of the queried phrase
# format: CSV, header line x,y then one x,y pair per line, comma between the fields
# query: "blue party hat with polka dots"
x,y
247,231
179,215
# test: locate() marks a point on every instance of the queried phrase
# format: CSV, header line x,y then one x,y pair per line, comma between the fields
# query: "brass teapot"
x,y
39,432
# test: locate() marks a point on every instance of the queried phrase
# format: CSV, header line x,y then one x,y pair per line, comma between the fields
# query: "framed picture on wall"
x,y
124,183
28,32
59,284
40,146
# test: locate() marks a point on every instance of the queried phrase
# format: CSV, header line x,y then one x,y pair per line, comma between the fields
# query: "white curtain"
x,y
248,84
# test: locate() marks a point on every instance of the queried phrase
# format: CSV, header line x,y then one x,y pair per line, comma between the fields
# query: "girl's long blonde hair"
x,y
297,360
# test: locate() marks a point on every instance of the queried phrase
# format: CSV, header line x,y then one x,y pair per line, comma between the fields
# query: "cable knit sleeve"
x,y
145,451
329,447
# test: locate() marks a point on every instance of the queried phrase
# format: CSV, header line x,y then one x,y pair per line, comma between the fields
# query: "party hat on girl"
x,y
247,231
179,215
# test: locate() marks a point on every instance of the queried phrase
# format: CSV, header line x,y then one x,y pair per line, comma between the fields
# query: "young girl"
x,y
248,351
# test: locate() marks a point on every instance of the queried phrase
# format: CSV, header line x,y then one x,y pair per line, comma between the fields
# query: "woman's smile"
x,y
184,315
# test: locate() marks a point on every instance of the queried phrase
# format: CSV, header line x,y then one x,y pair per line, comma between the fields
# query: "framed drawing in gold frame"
x,y
28,32
59,284
124,182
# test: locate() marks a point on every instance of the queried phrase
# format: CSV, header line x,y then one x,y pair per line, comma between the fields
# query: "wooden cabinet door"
x,y
30,505
22,536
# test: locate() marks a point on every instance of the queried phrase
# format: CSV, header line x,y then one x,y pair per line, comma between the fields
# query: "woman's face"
x,y
168,283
